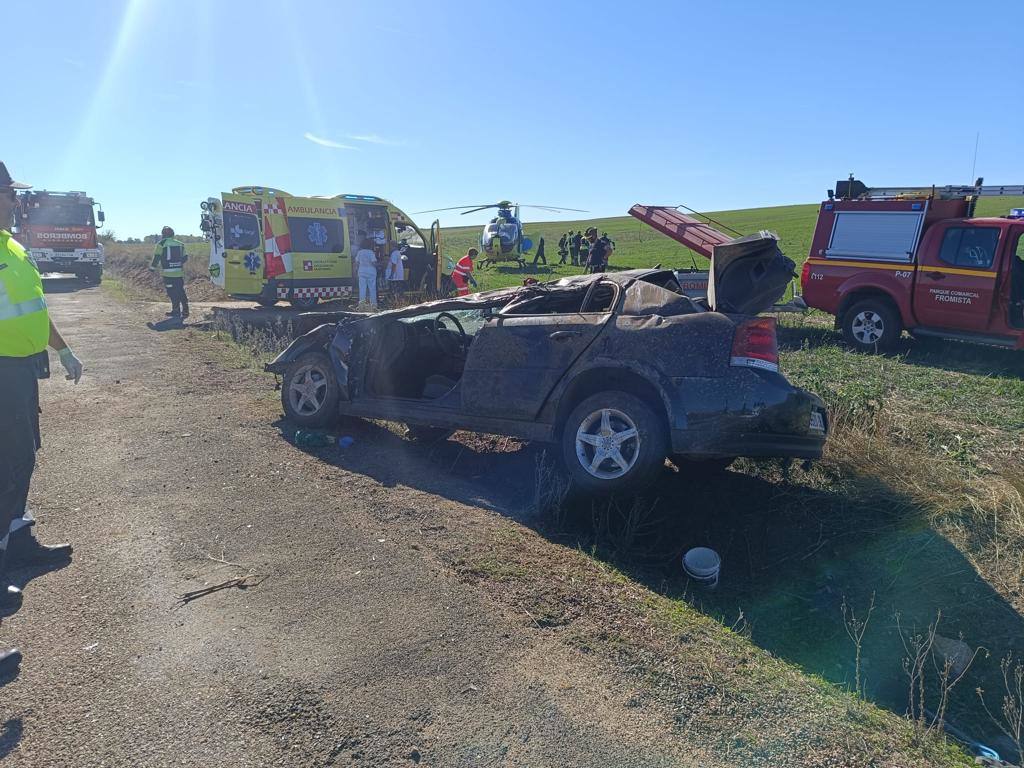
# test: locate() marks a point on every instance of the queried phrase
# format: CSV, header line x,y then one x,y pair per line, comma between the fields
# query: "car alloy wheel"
x,y
868,327
607,444
307,390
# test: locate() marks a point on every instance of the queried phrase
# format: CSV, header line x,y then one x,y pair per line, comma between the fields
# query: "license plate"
x,y
817,422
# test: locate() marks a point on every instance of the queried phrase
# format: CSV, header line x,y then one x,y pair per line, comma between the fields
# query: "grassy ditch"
x,y
915,514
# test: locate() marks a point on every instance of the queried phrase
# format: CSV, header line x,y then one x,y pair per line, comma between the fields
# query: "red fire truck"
x,y
885,260
59,231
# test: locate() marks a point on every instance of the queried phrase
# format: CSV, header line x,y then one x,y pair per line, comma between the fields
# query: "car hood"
x,y
748,274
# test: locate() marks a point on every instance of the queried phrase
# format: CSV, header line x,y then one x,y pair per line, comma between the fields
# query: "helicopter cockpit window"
x,y
507,231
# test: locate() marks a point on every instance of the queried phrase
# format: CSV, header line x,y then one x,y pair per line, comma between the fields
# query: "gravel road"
x,y
357,643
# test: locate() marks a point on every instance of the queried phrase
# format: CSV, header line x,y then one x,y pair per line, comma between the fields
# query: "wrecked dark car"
x,y
621,370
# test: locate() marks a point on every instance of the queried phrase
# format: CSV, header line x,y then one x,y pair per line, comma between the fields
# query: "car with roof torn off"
x,y
621,370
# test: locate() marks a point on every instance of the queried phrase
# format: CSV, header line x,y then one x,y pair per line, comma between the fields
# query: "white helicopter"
x,y
503,238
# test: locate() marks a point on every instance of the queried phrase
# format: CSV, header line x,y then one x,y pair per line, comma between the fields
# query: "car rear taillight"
x,y
755,344
805,275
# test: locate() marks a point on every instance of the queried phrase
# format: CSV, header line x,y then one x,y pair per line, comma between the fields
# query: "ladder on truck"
x,y
852,189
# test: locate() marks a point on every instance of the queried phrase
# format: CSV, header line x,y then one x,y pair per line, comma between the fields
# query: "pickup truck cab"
x,y
888,260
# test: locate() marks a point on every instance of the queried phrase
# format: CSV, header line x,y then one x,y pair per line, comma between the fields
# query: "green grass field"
x,y
637,245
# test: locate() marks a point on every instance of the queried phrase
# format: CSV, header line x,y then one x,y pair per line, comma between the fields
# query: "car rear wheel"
x,y
613,442
309,394
872,325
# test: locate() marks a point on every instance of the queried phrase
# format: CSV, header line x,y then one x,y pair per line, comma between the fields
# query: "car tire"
x,y
602,417
309,392
91,275
418,434
872,325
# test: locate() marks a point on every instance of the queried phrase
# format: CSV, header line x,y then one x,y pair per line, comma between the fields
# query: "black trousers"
x,y
19,428
175,287
574,255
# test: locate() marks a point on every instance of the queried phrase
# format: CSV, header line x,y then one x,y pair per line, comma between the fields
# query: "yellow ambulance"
x,y
268,246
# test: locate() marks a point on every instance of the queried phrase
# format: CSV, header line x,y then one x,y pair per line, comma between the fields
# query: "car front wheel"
x,y
309,393
613,442
872,325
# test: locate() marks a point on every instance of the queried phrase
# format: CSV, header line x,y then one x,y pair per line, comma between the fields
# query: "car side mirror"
x,y
101,217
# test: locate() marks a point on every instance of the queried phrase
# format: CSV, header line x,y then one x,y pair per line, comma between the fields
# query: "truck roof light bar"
x,y
853,189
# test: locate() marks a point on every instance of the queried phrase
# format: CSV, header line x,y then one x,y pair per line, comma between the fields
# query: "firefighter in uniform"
x,y
462,275
170,257
25,332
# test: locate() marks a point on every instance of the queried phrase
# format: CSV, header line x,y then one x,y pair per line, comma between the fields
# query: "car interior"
x,y
423,356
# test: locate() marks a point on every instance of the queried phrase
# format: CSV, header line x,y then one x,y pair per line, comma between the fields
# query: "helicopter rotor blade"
x,y
454,208
481,208
553,208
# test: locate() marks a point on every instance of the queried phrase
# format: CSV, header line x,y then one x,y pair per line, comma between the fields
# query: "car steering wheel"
x,y
463,338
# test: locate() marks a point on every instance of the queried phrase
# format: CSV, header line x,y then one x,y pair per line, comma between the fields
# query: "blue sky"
x,y
153,105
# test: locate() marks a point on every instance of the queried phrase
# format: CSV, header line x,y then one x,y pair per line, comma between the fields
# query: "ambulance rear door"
x,y
318,235
243,245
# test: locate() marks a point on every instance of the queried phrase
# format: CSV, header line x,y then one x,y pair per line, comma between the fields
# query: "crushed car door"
x,y
516,360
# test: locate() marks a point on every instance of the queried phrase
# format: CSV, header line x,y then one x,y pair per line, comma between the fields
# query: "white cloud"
x,y
325,142
372,138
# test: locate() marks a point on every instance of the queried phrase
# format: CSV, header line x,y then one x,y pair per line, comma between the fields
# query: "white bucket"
x,y
702,565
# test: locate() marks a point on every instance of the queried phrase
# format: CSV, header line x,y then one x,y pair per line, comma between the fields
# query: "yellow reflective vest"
x,y
24,320
170,258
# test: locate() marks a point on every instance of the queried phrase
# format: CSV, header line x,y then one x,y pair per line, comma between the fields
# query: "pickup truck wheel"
x,y
613,442
872,325
309,394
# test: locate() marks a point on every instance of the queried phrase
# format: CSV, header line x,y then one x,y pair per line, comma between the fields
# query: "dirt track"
x,y
361,646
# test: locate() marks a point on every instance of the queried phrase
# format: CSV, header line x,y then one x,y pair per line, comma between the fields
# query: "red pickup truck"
x,y
888,260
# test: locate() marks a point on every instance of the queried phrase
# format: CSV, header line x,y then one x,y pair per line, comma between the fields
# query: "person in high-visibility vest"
x,y
170,257
25,332
462,275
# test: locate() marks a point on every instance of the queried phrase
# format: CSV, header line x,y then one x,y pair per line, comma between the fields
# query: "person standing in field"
x,y
540,253
170,257
563,248
26,330
366,273
462,275
584,257
574,247
395,273
600,249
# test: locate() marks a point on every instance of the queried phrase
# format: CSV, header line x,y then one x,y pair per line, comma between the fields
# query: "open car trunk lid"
x,y
748,274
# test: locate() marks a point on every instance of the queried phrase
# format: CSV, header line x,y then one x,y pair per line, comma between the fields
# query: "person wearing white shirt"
x,y
366,271
395,273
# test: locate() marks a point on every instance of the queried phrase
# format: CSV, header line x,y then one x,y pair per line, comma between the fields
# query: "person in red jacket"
x,y
462,275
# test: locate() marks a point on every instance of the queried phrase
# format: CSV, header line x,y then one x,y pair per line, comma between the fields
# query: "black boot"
x,y
24,549
9,661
